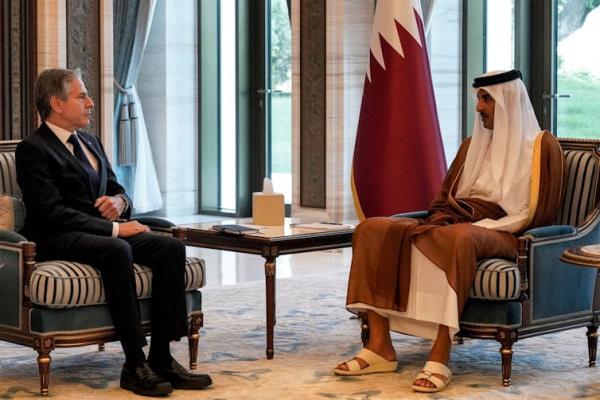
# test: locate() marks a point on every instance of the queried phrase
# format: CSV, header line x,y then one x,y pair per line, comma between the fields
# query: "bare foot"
x,y
428,384
440,352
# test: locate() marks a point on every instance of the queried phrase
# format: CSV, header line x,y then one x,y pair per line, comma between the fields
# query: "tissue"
x,y
267,206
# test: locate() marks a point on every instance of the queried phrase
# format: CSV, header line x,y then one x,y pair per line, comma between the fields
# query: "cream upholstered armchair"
x,y
537,293
61,303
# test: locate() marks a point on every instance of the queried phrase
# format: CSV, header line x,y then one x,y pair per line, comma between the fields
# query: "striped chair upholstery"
x,y
8,174
582,171
67,284
496,279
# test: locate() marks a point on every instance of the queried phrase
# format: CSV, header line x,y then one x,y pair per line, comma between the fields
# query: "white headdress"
x,y
511,144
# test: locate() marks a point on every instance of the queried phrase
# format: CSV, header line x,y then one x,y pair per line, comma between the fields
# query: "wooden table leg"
x,y
270,295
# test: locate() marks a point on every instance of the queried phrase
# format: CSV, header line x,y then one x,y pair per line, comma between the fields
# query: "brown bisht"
x,y
380,272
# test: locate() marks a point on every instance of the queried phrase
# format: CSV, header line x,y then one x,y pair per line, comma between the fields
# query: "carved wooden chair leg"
x,y
506,337
364,328
592,335
101,347
193,338
44,346
460,339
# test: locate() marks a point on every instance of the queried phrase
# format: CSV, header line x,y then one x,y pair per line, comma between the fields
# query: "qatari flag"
x,y
399,162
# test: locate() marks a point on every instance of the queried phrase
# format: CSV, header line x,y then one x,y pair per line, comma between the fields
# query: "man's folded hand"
x,y
130,228
110,207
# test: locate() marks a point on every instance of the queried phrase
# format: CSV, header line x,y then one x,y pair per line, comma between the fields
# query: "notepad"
x,y
235,229
322,226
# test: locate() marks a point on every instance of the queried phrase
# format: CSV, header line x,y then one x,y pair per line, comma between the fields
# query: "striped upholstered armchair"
x,y
60,303
537,293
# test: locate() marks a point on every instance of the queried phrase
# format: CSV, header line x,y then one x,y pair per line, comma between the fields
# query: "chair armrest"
x,y
155,222
413,214
17,261
12,237
550,231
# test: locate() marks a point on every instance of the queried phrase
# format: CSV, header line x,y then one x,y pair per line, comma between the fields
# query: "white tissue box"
x,y
268,209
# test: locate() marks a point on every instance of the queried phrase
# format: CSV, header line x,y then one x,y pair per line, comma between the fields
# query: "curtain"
x,y
427,8
135,165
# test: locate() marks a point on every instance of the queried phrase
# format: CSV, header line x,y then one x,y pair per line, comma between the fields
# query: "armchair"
x,y
61,304
537,293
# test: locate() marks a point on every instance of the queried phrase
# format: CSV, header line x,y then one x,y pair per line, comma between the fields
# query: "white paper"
x,y
326,226
267,186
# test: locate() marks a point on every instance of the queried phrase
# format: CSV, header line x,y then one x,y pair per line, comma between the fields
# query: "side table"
x,y
585,256
270,242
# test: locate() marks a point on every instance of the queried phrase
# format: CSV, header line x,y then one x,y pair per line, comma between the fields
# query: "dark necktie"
x,y
83,160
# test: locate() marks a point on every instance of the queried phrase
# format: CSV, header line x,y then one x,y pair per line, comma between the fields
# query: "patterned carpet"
x,y
313,333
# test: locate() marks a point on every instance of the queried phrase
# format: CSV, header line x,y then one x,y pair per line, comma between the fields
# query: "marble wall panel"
x,y
347,48
52,34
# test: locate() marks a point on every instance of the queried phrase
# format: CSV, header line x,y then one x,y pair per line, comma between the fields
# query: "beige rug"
x,y
313,333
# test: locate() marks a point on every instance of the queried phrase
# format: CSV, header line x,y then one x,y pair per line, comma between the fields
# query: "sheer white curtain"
x,y
132,22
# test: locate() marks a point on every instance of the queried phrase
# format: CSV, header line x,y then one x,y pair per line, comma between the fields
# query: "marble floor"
x,y
225,268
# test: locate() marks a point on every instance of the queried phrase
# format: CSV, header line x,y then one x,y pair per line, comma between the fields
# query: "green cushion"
x,y
10,287
72,320
499,314
12,237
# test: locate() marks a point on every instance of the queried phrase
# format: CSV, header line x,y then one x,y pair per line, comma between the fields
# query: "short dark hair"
x,y
52,82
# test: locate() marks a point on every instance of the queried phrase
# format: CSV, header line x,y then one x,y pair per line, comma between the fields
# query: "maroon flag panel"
x,y
399,162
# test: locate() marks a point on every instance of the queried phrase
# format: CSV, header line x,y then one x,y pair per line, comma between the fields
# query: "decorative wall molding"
x,y
83,51
17,68
313,103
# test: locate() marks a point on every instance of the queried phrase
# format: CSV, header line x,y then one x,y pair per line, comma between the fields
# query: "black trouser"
x,y
113,257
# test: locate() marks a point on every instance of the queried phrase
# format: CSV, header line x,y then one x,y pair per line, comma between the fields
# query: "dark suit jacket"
x,y
58,195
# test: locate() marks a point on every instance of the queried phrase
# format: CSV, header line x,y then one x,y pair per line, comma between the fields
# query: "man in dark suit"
x,y
76,210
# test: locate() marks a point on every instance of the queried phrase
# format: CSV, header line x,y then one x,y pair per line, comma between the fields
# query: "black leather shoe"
x,y
144,381
180,378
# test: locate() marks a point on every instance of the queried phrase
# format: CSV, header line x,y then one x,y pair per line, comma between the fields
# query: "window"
x,y
168,90
500,35
445,53
227,104
577,68
280,90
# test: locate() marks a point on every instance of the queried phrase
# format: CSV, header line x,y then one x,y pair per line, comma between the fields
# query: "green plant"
x,y
578,115
281,44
